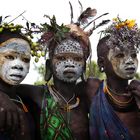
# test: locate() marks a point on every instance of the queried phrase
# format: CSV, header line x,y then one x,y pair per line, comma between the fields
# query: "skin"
x,y
115,62
73,61
14,61
68,61
124,63
14,66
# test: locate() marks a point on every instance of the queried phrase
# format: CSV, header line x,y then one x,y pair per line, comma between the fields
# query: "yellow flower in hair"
x,y
115,19
130,23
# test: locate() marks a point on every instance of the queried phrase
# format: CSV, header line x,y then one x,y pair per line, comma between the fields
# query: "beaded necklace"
x,y
67,107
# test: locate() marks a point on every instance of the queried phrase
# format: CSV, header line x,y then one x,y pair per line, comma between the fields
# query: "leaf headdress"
x,y
9,29
56,33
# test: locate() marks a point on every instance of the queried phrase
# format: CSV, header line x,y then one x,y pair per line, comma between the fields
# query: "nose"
x,y
18,67
69,64
129,61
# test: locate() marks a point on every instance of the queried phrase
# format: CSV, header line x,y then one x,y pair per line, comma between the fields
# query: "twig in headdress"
x,y
71,8
81,7
17,17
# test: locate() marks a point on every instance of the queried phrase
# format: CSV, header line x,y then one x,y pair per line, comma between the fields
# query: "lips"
x,y
130,70
69,73
16,76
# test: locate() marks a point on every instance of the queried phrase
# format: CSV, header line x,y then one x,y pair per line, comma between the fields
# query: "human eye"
x,y
120,55
26,60
133,55
78,58
9,57
61,58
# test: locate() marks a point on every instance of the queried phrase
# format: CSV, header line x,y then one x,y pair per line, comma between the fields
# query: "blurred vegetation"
x,y
92,70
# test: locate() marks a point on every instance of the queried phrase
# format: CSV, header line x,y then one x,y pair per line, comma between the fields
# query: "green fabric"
x,y
52,124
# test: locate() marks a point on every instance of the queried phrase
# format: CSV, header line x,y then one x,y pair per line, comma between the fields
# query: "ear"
x,y
48,70
100,62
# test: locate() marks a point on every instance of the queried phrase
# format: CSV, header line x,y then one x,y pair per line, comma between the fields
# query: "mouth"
x,y
130,70
16,76
69,73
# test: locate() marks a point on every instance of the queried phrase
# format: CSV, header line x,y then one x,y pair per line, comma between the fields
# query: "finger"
x,y
2,119
136,93
21,123
8,120
15,121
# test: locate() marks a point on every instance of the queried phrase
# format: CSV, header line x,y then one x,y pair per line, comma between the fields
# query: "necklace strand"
x,y
66,107
117,101
67,102
21,102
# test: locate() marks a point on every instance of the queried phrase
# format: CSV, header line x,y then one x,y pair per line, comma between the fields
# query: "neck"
x,y
117,85
65,89
7,89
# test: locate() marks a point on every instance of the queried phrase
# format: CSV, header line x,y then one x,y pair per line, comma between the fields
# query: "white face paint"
x,y
124,63
14,60
68,61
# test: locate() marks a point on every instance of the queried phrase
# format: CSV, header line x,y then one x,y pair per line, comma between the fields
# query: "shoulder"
x,y
91,87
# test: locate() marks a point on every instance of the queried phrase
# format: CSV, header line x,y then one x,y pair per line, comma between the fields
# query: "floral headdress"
x,y
18,29
56,33
123,34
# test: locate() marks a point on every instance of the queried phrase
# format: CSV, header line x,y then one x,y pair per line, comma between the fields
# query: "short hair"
x,y
102,47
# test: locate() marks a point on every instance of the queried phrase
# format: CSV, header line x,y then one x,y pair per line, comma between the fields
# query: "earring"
x,y
48,72
83,77
102,69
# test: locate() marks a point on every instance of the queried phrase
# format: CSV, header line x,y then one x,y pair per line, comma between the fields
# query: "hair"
x,y
102,47
6,35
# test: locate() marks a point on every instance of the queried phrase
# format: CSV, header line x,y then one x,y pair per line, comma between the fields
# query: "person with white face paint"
x,y
15,58
14,66
61,110
114,113
64,107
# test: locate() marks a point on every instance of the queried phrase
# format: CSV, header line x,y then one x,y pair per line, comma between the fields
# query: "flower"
x,y
123,34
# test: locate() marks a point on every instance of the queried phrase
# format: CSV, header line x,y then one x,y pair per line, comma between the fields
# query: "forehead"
x,y
117,50
69,46
15,44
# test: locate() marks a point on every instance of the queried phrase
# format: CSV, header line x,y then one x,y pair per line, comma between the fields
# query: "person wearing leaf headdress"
x,y
114,113
15,55
63,110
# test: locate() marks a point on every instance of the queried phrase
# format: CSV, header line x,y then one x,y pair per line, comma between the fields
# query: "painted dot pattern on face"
x,y
69,45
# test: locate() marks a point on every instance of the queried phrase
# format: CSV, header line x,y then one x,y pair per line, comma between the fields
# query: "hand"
x,y
134,88
23,133
10,114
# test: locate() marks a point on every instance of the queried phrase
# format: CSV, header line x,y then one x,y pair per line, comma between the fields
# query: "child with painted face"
x,y
62,109
114,112
14,66
66,64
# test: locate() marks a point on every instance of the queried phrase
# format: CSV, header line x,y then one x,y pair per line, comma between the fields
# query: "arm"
x,y
12,119
92,86
134,88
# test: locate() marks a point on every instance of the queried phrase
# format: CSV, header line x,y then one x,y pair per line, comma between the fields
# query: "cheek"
x,y
4,69
117,64
58,66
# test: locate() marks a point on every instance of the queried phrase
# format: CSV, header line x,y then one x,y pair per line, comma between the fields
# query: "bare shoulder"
x,y
91,88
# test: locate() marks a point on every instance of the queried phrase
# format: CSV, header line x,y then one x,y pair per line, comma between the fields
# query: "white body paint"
x,y
68,61
15,60
124,63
